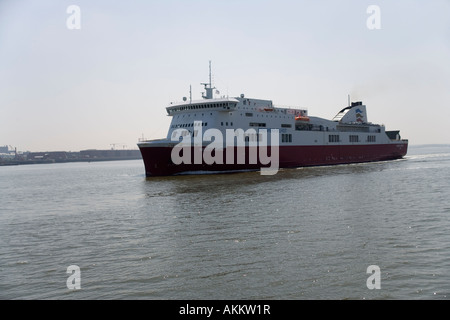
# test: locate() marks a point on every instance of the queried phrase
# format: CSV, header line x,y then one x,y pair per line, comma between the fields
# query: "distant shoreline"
x,y
25,162
92,155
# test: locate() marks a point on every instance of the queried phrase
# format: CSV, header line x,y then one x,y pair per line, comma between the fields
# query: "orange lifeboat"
x,y
302,118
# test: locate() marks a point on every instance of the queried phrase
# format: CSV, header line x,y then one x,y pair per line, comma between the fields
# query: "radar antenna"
x,y
208,86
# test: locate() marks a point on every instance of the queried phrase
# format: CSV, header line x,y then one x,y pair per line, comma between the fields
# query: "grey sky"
x,y
110,81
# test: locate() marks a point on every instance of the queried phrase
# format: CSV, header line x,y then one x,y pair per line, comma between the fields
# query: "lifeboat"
x,y
302,118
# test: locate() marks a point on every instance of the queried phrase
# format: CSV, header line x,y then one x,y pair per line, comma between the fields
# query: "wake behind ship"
x,y
199,128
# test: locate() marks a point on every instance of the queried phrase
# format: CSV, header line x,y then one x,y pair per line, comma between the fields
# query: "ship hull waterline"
x,y
158,159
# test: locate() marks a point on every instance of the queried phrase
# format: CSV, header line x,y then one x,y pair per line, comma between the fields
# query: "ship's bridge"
x,y
223,104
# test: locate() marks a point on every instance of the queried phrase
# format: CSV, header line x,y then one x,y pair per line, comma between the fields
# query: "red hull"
x,y
157,160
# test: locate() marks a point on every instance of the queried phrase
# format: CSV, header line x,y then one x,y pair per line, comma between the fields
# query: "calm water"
x,y
301,234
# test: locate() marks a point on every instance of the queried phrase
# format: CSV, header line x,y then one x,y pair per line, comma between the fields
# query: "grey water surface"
x,y
308,233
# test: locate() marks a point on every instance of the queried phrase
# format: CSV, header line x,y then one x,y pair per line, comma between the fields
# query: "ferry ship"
x,y
302,140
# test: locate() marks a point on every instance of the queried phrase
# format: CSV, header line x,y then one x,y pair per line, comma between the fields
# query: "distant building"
x,y
5,149
7,153
94,154
57,156
11,157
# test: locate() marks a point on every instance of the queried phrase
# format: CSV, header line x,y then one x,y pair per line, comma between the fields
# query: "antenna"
x,y
349,100
210,82
190,93
208,86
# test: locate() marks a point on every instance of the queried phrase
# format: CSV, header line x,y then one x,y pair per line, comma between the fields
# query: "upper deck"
x,y
232,104
222,104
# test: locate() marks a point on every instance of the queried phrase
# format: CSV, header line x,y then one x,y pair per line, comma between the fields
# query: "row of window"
x,y
252,124
185,133
253,137
247,138
188,125
351,138
204,124
257,124
203,106
250,114
310,127
333,138
189,115
286,137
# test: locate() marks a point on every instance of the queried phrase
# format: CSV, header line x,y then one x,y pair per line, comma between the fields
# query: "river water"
x,y
308,233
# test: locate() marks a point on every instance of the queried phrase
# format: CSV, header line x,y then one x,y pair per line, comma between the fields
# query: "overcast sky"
x,y
110,81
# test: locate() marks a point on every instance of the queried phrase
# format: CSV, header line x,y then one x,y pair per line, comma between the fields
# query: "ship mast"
x,y
208,86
